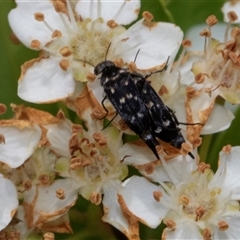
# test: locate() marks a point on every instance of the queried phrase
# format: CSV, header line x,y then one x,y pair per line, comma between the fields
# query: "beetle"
x,y
165,123
121,90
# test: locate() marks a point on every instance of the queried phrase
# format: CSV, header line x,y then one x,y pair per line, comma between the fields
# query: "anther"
x,y
157,195
44,179
200,77
184,200
190,92
186,43
223,225
202,166
98,113
112,24
119,62
64,64
196,141
103,141
77,128
229,45
65,51
56,34
27,185
60,194
205,33
149,168
77,162
132,67
207,235
227,149
95,198
35,44
199,213
186,148
97,136
211,20
39,16
171,224
59,6
48,236
232,16
147,16
91,77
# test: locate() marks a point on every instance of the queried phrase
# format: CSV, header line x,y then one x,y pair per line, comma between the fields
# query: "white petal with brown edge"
x,y
8,201
138,195
47,204
112,210
44,81
156,43
19,143
232,178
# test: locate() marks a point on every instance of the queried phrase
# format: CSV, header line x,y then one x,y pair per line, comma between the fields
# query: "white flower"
x,y
89,159
222,78
74,37
194,204
216,74
92,160
44,197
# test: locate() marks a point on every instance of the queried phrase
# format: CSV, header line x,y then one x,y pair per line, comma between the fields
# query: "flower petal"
x,y
59,135
112,210
137,193
21,226
121,11
27,28
42,211
219,120
175,170
184,230
60,225
20,142
42,80
136,154
232,177
156,43
233,232
8,201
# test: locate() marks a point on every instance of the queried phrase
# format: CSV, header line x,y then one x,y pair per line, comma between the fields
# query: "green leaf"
x,y
189,13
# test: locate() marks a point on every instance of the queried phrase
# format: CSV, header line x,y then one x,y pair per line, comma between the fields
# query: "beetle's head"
x,y
102,66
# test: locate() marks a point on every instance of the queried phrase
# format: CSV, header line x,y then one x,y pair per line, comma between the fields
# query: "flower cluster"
x,y
48,161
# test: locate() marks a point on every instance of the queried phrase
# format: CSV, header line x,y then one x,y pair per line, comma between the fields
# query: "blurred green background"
x,y
85,217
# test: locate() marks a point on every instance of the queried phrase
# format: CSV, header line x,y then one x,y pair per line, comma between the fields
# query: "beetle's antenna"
x,y
136,55
107,51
